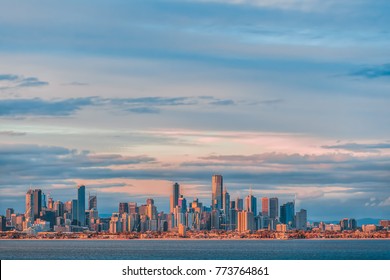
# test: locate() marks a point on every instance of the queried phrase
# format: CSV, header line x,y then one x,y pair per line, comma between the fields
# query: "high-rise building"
x,y
265,206
50,203
74,211
92,202
273,208
344,224
226,208
81,205
287,212
301,220
37,203
59,208
216,187
174,196
182,203
133,209
245,221
8,213
29,214
123,207
239,204
251,204
352,224
3,223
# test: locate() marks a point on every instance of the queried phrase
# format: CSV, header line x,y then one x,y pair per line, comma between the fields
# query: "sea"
x,y
195,249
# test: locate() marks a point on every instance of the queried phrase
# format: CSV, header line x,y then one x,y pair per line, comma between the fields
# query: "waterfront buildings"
x,y
224,214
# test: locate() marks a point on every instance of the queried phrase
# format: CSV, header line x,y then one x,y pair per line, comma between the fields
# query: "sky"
x,y
288,98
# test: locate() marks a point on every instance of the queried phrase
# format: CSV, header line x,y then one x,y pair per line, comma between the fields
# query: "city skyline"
x,y
287,98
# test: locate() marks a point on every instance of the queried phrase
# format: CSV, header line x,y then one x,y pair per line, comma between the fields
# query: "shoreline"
x,y
186,239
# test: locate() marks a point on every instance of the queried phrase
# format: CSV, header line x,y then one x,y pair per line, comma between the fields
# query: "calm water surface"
x,y
195,249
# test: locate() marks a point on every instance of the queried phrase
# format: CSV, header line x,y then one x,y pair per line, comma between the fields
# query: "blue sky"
x,y
290,98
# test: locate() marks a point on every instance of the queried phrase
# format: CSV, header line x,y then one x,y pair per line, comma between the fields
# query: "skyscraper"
x,y
3,223
264,206
74,211
9,212
251,204
92,202
287,214
216,187
301,220
123,207
226,208
29,214
239,204
174,196
133,209
37,203
81,205
273,208
182,203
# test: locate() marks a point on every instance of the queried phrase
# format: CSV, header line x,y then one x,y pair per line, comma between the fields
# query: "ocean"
x,y
195,249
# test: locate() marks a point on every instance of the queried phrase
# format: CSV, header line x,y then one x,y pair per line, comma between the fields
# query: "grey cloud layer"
x,y
372,72
17,81
66,107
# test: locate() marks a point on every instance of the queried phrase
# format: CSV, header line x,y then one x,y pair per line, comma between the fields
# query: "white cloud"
x,y
385,202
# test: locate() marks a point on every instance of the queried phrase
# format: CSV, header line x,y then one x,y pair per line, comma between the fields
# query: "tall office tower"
x,y
37,203
265,206
217,187
182,203
29,214
68,206
81,205
150,201
59,208
123,207
133,209
344,224
92,202
352,224
226,207
245,221
50,203
273,208
251,204
232,204
8,213
3,223
174,198
74,211
44,205
215,219
301,220
239,204
287,214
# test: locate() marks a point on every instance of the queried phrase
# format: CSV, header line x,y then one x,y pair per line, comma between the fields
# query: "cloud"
x,y
356,147
40,107
12,133
222,102
372,72
66,107
385,202
10,81
144,110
